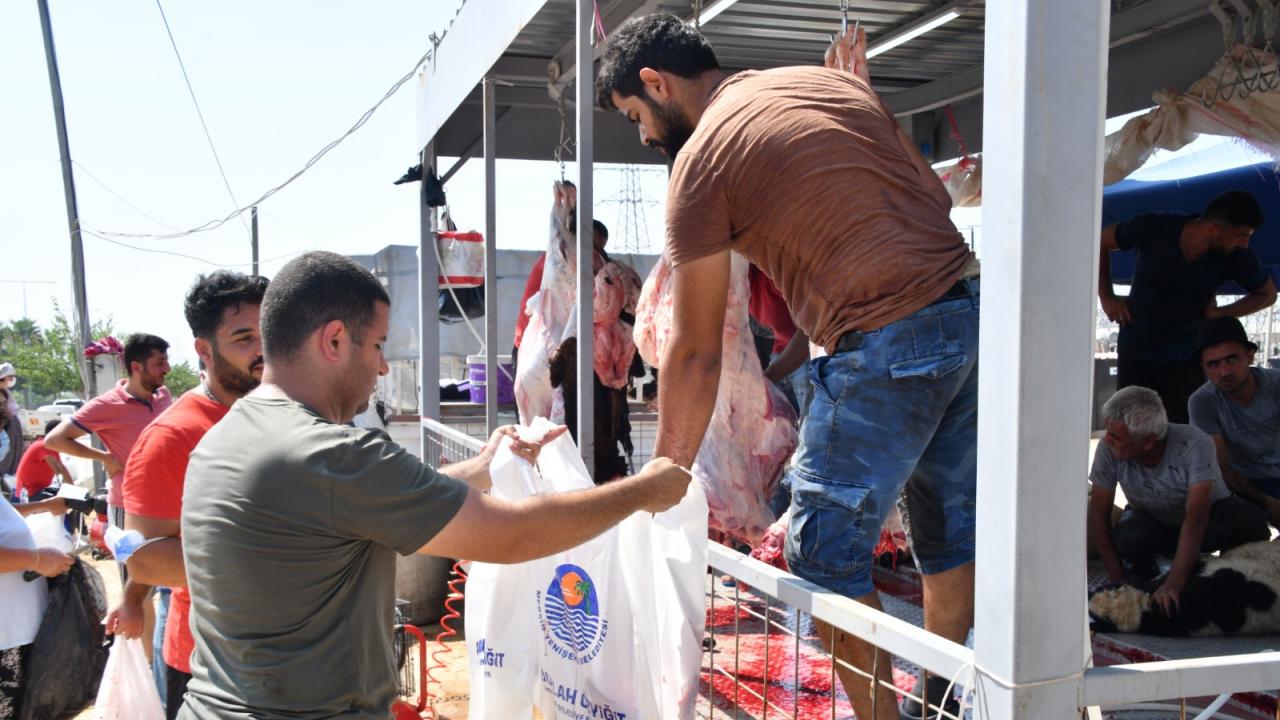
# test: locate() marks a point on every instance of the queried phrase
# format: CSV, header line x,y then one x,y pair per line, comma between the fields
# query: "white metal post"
x,y
585,98
428,313
490,258
1045,85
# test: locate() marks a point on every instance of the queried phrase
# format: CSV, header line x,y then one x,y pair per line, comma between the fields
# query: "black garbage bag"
x,y
69,653
471,301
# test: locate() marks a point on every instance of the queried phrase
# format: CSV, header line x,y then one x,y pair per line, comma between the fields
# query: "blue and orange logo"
x,y
571,620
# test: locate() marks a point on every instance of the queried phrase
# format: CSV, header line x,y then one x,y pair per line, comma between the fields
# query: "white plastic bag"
x,y
48,531
609,629
128,689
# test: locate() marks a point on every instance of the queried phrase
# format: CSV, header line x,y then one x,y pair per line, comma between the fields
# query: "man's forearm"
x,y
159,563
687,391
135,592
1190,540
1242,486
1106,548
78,449
577,516
1106,290
473,471
1247,305
792,357
14,559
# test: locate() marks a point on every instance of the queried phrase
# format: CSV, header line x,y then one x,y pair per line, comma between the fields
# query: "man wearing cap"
x,y
1179,506
1239,407
1181,261
13,424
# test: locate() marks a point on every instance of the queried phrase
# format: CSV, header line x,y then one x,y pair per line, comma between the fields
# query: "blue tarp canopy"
x,y
1128,198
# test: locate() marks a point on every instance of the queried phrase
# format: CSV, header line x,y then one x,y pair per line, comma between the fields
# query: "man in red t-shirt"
x,y
787,366
222,310
39,463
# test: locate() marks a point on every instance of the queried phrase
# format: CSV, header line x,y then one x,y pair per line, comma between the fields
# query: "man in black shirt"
x,y
1181,262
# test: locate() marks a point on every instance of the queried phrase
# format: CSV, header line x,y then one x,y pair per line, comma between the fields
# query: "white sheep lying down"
x,y
1237,593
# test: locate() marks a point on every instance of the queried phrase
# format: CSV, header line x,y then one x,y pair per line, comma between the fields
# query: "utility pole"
x,y
73,215
253,215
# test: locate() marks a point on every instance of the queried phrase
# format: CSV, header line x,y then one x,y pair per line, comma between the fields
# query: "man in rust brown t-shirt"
x,y
803,171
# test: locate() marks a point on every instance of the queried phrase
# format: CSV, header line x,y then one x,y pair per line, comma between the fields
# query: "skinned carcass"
x,y
550,313
614,346
753,427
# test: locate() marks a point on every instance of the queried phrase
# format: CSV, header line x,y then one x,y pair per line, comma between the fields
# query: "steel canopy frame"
x,y
1045,74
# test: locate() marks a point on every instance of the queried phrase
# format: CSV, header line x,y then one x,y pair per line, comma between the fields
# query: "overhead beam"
x,y
477,38
1126,27
470,152
564,64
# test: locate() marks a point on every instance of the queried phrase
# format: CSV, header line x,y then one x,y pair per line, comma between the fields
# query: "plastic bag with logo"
x,y
610,629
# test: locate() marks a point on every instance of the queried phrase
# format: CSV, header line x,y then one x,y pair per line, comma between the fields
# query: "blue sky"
x,y
276,82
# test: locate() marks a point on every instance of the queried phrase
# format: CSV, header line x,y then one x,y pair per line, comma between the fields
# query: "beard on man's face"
x,y
676,128
231,378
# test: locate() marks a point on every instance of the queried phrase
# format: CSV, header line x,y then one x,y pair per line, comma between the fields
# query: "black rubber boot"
x,y
912,710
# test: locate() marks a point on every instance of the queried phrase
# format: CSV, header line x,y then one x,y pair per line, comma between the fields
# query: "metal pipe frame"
x,y
428,312
584,150
490,257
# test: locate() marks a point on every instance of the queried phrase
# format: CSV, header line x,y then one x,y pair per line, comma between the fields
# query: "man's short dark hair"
x,y
600,228
312,290
660,41
139,346
212,294
1234,208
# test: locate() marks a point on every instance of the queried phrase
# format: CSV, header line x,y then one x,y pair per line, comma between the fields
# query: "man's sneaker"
x,y
911,709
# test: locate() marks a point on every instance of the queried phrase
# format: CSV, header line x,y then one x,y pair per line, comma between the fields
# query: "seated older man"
x,y
1239,408
1178,503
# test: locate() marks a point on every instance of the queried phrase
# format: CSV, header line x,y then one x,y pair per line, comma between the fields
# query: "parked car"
x,y
75,402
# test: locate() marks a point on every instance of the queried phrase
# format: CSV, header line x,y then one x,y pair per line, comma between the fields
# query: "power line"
x,y
99,235
213,224
121,198
182,66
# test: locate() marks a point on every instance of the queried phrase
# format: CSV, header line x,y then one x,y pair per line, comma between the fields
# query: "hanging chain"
x,y
697,15
566,140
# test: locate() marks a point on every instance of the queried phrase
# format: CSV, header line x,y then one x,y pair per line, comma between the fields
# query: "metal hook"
x,y
844,17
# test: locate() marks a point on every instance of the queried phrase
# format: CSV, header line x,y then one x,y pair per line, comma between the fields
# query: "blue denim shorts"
x,y
898,410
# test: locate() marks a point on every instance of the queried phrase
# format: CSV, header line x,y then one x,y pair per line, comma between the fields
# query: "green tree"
x,y
47,360
181,378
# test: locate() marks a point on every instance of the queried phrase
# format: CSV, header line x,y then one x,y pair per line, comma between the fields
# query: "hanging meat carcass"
x,y
752,431
614,345
550,313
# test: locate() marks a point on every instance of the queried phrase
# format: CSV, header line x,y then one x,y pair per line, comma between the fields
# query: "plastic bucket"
x,y
479,384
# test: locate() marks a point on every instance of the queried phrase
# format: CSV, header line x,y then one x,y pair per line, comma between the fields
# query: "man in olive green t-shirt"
x,y
292,517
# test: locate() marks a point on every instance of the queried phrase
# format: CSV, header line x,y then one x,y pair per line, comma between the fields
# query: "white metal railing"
x,y
1108,687
1193,677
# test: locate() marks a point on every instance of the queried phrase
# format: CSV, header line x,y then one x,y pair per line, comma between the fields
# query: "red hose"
x,y
446,631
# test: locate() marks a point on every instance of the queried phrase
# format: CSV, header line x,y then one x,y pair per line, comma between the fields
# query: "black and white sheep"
x,y
1237,593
